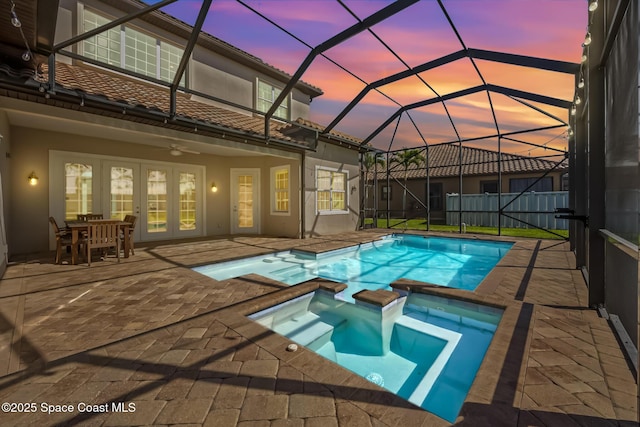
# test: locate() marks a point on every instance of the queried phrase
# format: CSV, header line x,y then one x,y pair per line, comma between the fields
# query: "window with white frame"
x,y
266,96
140,54
131,49
103,47
280,184
331,190
78,189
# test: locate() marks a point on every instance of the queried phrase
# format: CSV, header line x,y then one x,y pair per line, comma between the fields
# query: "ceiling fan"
x,y
179,150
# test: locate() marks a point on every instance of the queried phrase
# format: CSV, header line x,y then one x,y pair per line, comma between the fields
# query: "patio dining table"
x,y
77,227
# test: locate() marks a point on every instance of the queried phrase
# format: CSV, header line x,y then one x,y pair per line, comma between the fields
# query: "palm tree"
x,y
406,158
370,161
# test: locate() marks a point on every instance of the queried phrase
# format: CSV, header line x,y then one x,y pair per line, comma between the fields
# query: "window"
x,y
488,187
435,196
142,53
170,57
157,189
564,182
331,191
266,96
385,191
78,190
121,194
104,47
517,185
280,190
245,201
188,205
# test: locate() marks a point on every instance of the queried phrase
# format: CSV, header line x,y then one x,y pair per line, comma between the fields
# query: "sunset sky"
x,y
551,29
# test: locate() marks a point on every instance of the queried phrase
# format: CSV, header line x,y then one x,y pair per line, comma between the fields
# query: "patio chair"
x,y
63,238
103,234
131,219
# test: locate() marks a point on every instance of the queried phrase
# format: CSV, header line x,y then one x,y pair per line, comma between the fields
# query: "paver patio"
x,y
151,332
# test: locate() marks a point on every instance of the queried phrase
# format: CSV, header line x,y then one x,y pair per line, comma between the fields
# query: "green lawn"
x,y
420,224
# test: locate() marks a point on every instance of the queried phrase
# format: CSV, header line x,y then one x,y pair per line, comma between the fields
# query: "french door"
x,y
245,203
167,198
121,195
172,201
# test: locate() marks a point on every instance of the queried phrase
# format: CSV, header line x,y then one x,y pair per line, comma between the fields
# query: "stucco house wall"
x,y
340,159
29,210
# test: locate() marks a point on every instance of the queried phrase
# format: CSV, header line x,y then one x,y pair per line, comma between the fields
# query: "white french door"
x,y
245,202
172,201
156,189
167,198
121,190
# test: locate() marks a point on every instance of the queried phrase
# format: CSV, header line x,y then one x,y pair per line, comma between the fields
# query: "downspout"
x,y
428,199
303,195
375,190
388,193
362,215
460,186
499,185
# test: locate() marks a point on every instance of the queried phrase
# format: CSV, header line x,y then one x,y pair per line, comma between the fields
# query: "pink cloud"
x,y
542,28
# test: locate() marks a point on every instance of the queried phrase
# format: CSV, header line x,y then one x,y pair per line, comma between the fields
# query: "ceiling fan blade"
x,y
176,150
184,150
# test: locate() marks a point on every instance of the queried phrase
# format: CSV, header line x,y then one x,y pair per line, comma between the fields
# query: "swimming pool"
x,y
424,348
451,262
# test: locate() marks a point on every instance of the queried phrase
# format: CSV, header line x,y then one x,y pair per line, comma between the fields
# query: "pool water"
x,y
426,349
456,263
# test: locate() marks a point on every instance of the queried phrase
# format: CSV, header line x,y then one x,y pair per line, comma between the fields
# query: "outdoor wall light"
x,y
593,5
214,188
32,178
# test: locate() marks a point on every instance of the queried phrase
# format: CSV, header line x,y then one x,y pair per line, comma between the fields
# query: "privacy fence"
x,y
533,208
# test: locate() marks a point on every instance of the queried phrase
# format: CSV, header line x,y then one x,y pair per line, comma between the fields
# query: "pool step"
x,y
295,269
309,327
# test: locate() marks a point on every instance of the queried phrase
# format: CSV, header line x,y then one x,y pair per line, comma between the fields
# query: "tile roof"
x,y
444,159
318,127
111,86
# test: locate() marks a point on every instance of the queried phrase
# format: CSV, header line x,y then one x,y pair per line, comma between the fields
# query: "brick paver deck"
x,y
172,347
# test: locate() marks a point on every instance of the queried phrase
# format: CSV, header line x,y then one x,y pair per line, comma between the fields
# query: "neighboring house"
x,y
102,141
480,175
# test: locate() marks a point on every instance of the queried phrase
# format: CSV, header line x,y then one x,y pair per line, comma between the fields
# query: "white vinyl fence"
x,y
528,202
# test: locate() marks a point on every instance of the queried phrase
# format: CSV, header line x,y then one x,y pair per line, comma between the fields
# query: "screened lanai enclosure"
x,y
486,102
497,114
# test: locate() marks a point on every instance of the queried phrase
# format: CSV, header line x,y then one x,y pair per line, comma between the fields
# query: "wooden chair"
x,y
131,219
89,217
63,238
103,234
